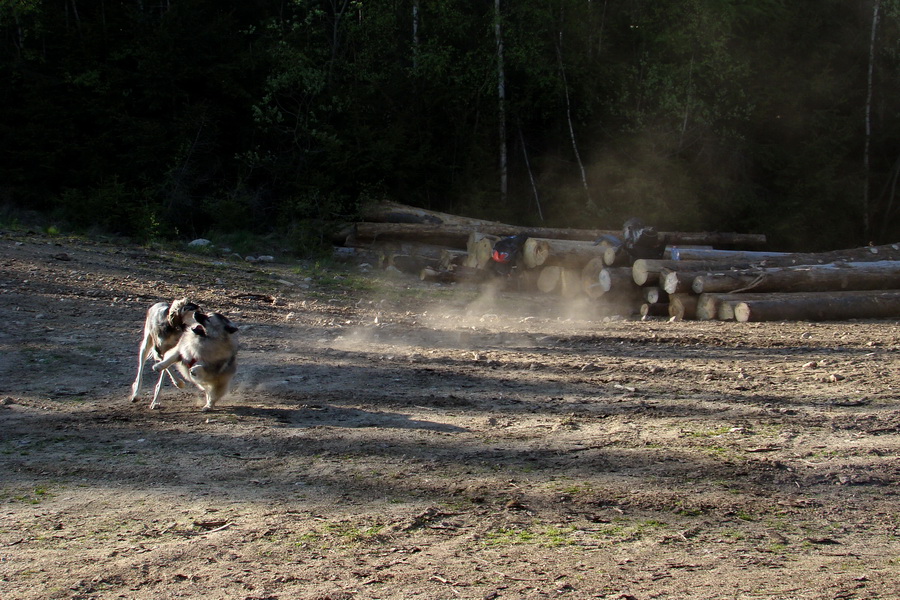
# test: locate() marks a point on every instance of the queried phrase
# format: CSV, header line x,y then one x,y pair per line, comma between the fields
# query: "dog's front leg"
x,y
154,404
171,357
209,402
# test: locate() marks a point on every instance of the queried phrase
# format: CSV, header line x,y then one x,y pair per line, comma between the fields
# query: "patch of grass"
x,y
350,534
34,495
544,536
708,433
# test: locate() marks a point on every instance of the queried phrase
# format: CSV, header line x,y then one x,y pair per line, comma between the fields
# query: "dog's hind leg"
x,y
143,355
179,383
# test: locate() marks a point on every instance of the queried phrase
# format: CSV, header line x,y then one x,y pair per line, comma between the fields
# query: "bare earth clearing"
x,y
420,441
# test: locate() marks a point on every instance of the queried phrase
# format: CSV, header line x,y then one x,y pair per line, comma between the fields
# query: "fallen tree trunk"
x,y
394,212
654,309
805,278
590,278
654,295
708,304
646,271
682,306
559,280
677,282
712,254
821,306
480,247
456,234
616,278
538,252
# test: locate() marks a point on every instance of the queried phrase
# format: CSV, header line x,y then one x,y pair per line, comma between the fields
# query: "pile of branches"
x,y
690,275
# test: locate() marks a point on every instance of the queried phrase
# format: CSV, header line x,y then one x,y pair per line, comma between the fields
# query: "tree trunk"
x,y
708,304
879,275
616,278
654,309
648,269
821,306
539,252
867,221
711,254
677,282
456,236
394,212
501,101
654,295
480,248
683,306
590,278
559,280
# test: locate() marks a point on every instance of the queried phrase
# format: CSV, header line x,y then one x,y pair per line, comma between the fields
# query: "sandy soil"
x,y
391,439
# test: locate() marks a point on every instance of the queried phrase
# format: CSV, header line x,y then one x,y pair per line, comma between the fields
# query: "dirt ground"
x,y
391,439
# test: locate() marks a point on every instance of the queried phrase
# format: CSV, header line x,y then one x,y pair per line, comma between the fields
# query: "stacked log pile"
x,y
846,284
695,280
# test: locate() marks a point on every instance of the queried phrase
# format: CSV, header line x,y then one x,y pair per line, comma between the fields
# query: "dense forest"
x,y
173,118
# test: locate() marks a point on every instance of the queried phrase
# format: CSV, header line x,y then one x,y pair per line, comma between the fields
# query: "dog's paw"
x,y
157,368
154,406
207,408
197,370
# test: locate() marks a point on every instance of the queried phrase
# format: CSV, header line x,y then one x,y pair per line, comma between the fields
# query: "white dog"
x,y
162,329
206,355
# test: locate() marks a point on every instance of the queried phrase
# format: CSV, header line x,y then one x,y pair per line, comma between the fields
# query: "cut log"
x,y
616,278
655,309
712,238
678,282
809,278
394,212
451,258
455,235
647,270
559,280
654,295
590,279
615,256
682,306
821,306
708,304
710,254
549,280
480,247
571,283
539,252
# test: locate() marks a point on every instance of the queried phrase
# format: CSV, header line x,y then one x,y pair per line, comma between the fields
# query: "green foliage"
x,y
192,116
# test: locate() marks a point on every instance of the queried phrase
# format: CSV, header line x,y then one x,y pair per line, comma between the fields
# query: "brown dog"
x,y
206,355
